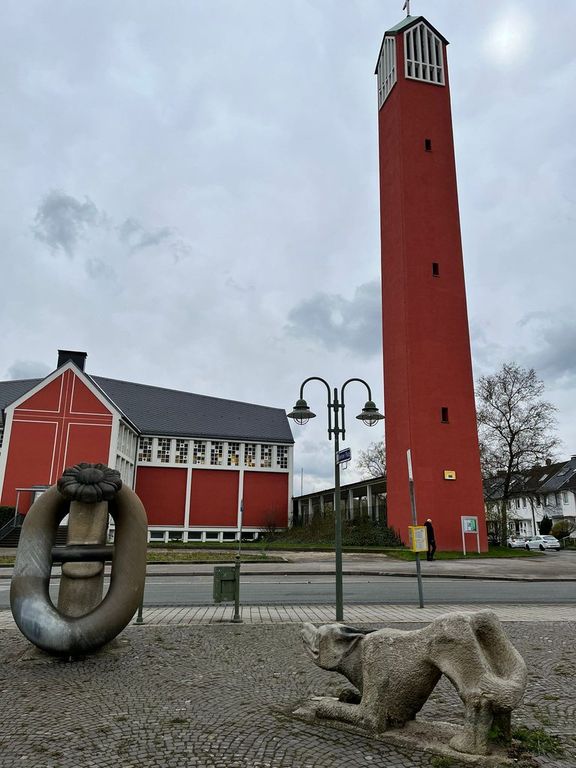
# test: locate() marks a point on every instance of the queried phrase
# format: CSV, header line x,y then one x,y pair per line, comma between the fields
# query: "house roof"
x,y
548,478
169,412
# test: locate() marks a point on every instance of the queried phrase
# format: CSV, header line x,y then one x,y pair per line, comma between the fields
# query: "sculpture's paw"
x,y
468,743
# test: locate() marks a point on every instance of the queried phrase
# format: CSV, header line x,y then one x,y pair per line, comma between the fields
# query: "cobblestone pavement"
x,y
220,695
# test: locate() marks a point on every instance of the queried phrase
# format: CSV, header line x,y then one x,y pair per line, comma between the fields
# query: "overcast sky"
x,y
190,195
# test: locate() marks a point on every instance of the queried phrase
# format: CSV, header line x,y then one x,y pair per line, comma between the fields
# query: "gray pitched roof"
x,y
548,478
12,390
169,412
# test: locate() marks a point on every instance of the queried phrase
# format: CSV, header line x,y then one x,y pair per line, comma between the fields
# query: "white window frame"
x,y
426,62
386,69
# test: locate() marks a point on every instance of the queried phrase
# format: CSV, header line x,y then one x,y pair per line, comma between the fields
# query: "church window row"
x,y
250,455
282,456
126,440
145,451
126,469
181,452
233,454
163,450
214,453
386,70
199,453
423,55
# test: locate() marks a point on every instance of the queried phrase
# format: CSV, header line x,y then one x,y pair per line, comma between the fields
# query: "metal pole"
x,y
237,618
414,522
139,619
337,515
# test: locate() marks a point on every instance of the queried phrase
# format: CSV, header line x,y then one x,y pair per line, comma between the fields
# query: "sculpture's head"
x,y
330,644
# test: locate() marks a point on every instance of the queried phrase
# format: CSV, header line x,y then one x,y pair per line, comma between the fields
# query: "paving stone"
x,y
221,695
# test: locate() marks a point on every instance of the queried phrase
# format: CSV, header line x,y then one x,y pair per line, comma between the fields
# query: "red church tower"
x,y
428,386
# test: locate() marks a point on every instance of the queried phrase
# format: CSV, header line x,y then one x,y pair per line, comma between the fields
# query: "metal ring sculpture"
x,y
79,491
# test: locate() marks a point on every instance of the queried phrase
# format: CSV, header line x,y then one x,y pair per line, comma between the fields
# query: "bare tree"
x,y
372,461
515,428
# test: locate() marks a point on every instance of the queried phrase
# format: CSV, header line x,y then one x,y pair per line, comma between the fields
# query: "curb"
x,y
394,574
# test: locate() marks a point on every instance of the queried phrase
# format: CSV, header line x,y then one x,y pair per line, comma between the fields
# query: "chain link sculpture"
x,y
82,621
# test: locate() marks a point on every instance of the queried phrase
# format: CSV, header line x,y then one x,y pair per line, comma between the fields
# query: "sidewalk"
x,y
551,566
324,614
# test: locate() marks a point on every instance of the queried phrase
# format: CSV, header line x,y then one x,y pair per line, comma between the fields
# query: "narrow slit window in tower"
x,y
444,417
428,145
435,269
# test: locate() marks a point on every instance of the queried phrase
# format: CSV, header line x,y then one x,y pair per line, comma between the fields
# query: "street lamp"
x,y
301,414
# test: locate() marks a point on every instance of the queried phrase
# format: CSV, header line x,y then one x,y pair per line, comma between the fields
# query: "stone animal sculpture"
x,y
395,671
82,620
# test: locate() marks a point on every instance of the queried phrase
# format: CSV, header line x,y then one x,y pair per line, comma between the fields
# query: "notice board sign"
x,y
418,538
469,527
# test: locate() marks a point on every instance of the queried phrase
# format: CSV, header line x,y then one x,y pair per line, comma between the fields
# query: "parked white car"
x,y
516,542
543,542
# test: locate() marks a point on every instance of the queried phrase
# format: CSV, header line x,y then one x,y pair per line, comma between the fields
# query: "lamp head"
x,y
370,414
301,413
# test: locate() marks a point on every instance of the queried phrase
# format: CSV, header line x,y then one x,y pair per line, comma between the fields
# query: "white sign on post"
x,y
469,526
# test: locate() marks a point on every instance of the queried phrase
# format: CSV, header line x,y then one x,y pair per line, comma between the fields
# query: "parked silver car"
x,y
543,542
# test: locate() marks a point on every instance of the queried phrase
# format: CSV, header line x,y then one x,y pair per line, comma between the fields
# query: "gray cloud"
x,y
340,323
134,234
27,369
62,220
555,355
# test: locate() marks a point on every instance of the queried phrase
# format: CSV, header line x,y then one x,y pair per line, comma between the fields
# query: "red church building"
x,y
201,465
428,385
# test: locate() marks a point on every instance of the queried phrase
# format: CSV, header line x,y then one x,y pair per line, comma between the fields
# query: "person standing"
x,y
431,539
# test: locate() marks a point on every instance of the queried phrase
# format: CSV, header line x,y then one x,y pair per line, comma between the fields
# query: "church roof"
x,y
170,412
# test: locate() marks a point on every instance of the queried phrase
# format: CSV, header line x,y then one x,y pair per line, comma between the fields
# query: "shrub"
x,y
545,525
563,528
360,532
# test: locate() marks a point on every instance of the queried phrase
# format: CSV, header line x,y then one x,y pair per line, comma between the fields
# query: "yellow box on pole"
x,y
418,538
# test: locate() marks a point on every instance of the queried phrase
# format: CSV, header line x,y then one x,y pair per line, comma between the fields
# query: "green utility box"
x,y
224,583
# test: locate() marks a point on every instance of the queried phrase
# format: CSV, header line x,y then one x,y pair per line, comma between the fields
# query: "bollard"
x,y
139,619
237,619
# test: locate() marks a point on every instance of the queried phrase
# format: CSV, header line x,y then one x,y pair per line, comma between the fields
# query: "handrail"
x,y
16,522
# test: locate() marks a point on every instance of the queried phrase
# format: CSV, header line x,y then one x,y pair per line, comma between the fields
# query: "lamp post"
x,y
370,415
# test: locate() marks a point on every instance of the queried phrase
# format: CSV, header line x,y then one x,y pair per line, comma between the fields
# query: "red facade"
x,y
163,493
214,498
265,497
428,386
61,424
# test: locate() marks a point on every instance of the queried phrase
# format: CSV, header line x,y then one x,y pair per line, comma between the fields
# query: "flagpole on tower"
x,y
406,7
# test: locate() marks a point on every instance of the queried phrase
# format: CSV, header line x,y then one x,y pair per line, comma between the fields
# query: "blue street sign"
x,y
343,456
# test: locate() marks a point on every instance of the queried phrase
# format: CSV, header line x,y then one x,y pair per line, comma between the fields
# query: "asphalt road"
x,y
309,590
303,590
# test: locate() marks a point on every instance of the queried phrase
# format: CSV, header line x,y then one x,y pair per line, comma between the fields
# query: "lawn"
x,y
191,556
406,554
